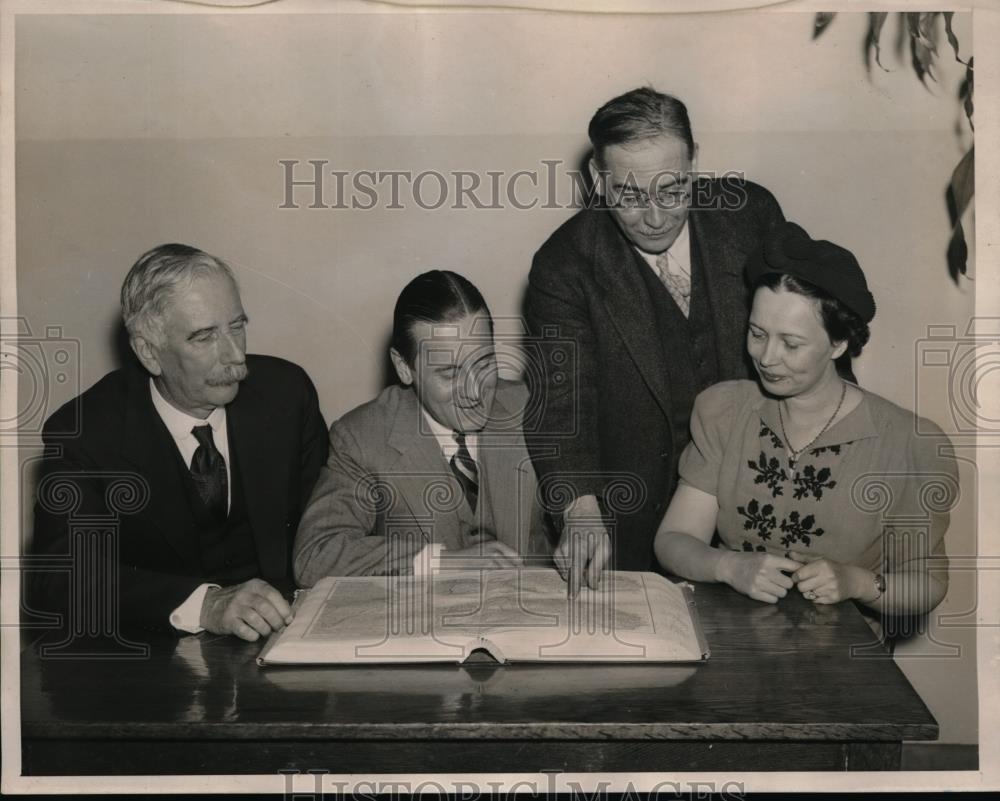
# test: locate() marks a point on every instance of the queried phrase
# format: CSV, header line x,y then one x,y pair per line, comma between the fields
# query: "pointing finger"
x,y
562,561
578,560
595,568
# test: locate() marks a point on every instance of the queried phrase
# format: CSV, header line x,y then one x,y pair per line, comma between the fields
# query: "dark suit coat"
x,y
608,417
386,485
278,442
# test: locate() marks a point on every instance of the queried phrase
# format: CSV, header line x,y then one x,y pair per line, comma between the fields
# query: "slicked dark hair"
x,y
438,296
638,115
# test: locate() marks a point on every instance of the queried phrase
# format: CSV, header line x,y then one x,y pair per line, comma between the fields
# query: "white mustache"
x,y
231,375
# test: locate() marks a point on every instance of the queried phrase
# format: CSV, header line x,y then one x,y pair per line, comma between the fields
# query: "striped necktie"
x,y
677,282
465,470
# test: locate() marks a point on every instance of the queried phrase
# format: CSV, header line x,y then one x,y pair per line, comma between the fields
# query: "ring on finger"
x,y
810,595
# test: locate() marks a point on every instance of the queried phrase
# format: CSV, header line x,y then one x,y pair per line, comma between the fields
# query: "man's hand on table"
x,y
249,610
584,548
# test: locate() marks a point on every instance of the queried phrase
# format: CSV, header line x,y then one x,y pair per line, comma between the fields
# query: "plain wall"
x,y
137,130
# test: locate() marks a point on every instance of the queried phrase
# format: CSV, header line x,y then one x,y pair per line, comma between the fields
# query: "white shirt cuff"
x,y
428,560
187,616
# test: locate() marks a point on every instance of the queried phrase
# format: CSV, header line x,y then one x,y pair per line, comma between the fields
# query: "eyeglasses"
x,y
670,198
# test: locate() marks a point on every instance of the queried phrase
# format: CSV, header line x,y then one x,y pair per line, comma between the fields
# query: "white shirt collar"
x,y
179,423
679,253
446,438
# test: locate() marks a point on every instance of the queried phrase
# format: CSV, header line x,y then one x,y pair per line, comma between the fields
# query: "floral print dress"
x,y
870,491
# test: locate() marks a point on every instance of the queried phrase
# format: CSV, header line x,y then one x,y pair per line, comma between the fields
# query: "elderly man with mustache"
x,y
227,444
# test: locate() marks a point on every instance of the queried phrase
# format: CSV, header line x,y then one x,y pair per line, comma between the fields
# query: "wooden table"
x,y
782,691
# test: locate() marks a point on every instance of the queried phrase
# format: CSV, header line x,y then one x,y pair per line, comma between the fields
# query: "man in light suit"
x,y
223,446
434,467
649,289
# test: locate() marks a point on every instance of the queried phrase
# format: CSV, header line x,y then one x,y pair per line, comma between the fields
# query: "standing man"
x,y
227,445
649,290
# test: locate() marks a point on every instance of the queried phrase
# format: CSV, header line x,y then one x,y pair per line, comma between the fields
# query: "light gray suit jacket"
x,y
386,489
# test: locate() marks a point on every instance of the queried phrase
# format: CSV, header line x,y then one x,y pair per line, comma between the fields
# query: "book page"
x,y
383,619
520,615
630,617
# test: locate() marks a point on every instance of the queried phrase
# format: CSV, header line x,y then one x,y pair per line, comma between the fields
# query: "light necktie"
x,y
677,282
465,470
208,469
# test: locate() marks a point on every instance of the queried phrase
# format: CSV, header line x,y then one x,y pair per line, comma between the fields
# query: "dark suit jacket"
x,y
278,441
387,485
603,422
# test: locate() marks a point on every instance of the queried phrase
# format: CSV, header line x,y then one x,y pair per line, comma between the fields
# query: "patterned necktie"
x,y
208,469
465,470
678,283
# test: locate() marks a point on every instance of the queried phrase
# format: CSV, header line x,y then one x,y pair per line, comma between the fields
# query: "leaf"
x,y
927,30
963,182
876,19
957,253
959,195
952,39
822,22
921,49
923,61
966,92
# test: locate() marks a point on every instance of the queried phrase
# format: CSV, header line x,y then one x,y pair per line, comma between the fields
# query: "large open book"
x,y
514,615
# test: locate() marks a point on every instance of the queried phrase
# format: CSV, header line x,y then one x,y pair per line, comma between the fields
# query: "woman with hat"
x,y
803,474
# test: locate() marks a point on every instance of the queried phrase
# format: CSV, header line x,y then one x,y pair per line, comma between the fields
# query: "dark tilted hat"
x,y
788,249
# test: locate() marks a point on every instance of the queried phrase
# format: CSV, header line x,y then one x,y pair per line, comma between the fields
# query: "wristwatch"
x,y
879,586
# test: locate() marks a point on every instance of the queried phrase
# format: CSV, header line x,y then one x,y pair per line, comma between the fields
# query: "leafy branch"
x,y
922,31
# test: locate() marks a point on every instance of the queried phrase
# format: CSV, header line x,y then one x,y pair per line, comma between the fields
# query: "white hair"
x,y
154,278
